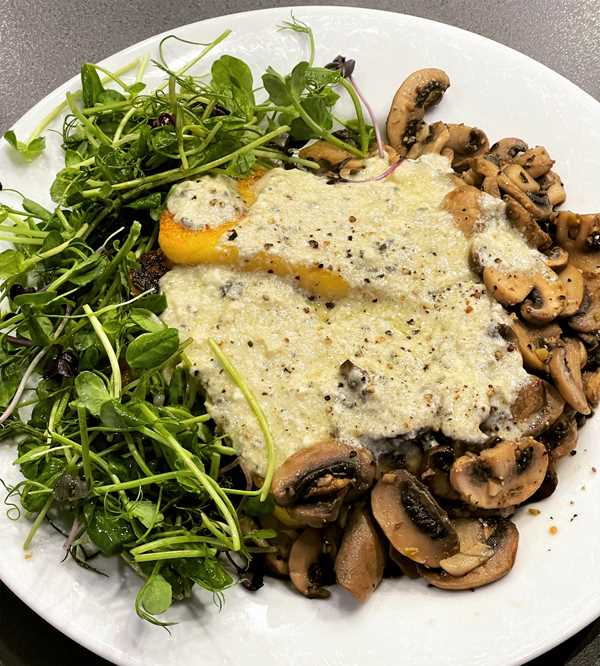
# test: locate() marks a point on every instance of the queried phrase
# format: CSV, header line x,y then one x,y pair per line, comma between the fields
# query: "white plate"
x,y
554,589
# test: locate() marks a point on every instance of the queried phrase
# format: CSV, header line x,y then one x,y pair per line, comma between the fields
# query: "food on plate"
x,y
271,342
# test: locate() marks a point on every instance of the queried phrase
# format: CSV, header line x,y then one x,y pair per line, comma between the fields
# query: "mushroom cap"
x,y
307,565
421,90
504,542
412,520
466,143
360,560
504,475
587,318
506,150
473,549
314,482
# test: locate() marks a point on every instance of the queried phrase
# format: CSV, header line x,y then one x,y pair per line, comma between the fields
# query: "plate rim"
x,y
26,595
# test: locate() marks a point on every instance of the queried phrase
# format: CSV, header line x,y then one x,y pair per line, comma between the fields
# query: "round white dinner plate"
x,y
554,588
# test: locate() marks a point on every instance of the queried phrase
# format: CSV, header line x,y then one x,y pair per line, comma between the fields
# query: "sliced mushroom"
x,y
535,203
464,204
580,236
421,90
552,185
473,549
466,143
502,476
324,152
549,484
521,178
572,280
407,566
412,520
506,150
535,343
561,438
537,406
535,161
361,558
314,482
437,139
565,365
309,568
546,296
591,386
436,474
524,222
504,542
557,258
587,319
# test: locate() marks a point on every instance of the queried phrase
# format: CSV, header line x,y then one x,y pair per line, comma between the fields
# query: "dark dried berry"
x,y
162,120
62,364
153,266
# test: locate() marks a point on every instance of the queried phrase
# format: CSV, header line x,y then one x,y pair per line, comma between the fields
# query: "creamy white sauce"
x,y
418,323
207,202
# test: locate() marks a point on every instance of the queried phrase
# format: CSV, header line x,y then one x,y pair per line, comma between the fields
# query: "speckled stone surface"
x,y
43,43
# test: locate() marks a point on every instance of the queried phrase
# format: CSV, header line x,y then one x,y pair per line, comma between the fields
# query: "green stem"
x,y
138,483
110,352
124,120
362,129
37,522
85,446
323,133
171,555
256,409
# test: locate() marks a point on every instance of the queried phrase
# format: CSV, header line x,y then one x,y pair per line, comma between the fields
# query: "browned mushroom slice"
x,y
521,178
561,438
537,407
504,475
324,152
314,482
552,185
573,283
557,258
473,549
524,222
466,143
546,296
535,203
506,150
412,520
436,474
565,365
464,204
535,161
309,568
587,318
580,236
591,386
535,343
504,542
407,566
549,484
361,558
437,139
421,90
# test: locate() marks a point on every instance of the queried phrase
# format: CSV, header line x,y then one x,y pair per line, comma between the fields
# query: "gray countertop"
x,y
43,43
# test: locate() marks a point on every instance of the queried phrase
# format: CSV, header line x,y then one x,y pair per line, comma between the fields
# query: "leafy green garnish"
x,y
118,441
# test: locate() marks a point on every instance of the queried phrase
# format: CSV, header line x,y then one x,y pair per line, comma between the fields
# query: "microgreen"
x,y
117,440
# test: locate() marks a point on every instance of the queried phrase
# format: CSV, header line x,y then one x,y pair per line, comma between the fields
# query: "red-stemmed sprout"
x,y
345,67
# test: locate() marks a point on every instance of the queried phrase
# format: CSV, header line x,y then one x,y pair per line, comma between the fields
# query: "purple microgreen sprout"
x,y
345,66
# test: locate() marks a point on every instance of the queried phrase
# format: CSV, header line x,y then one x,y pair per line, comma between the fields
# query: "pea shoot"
x,y
115,441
